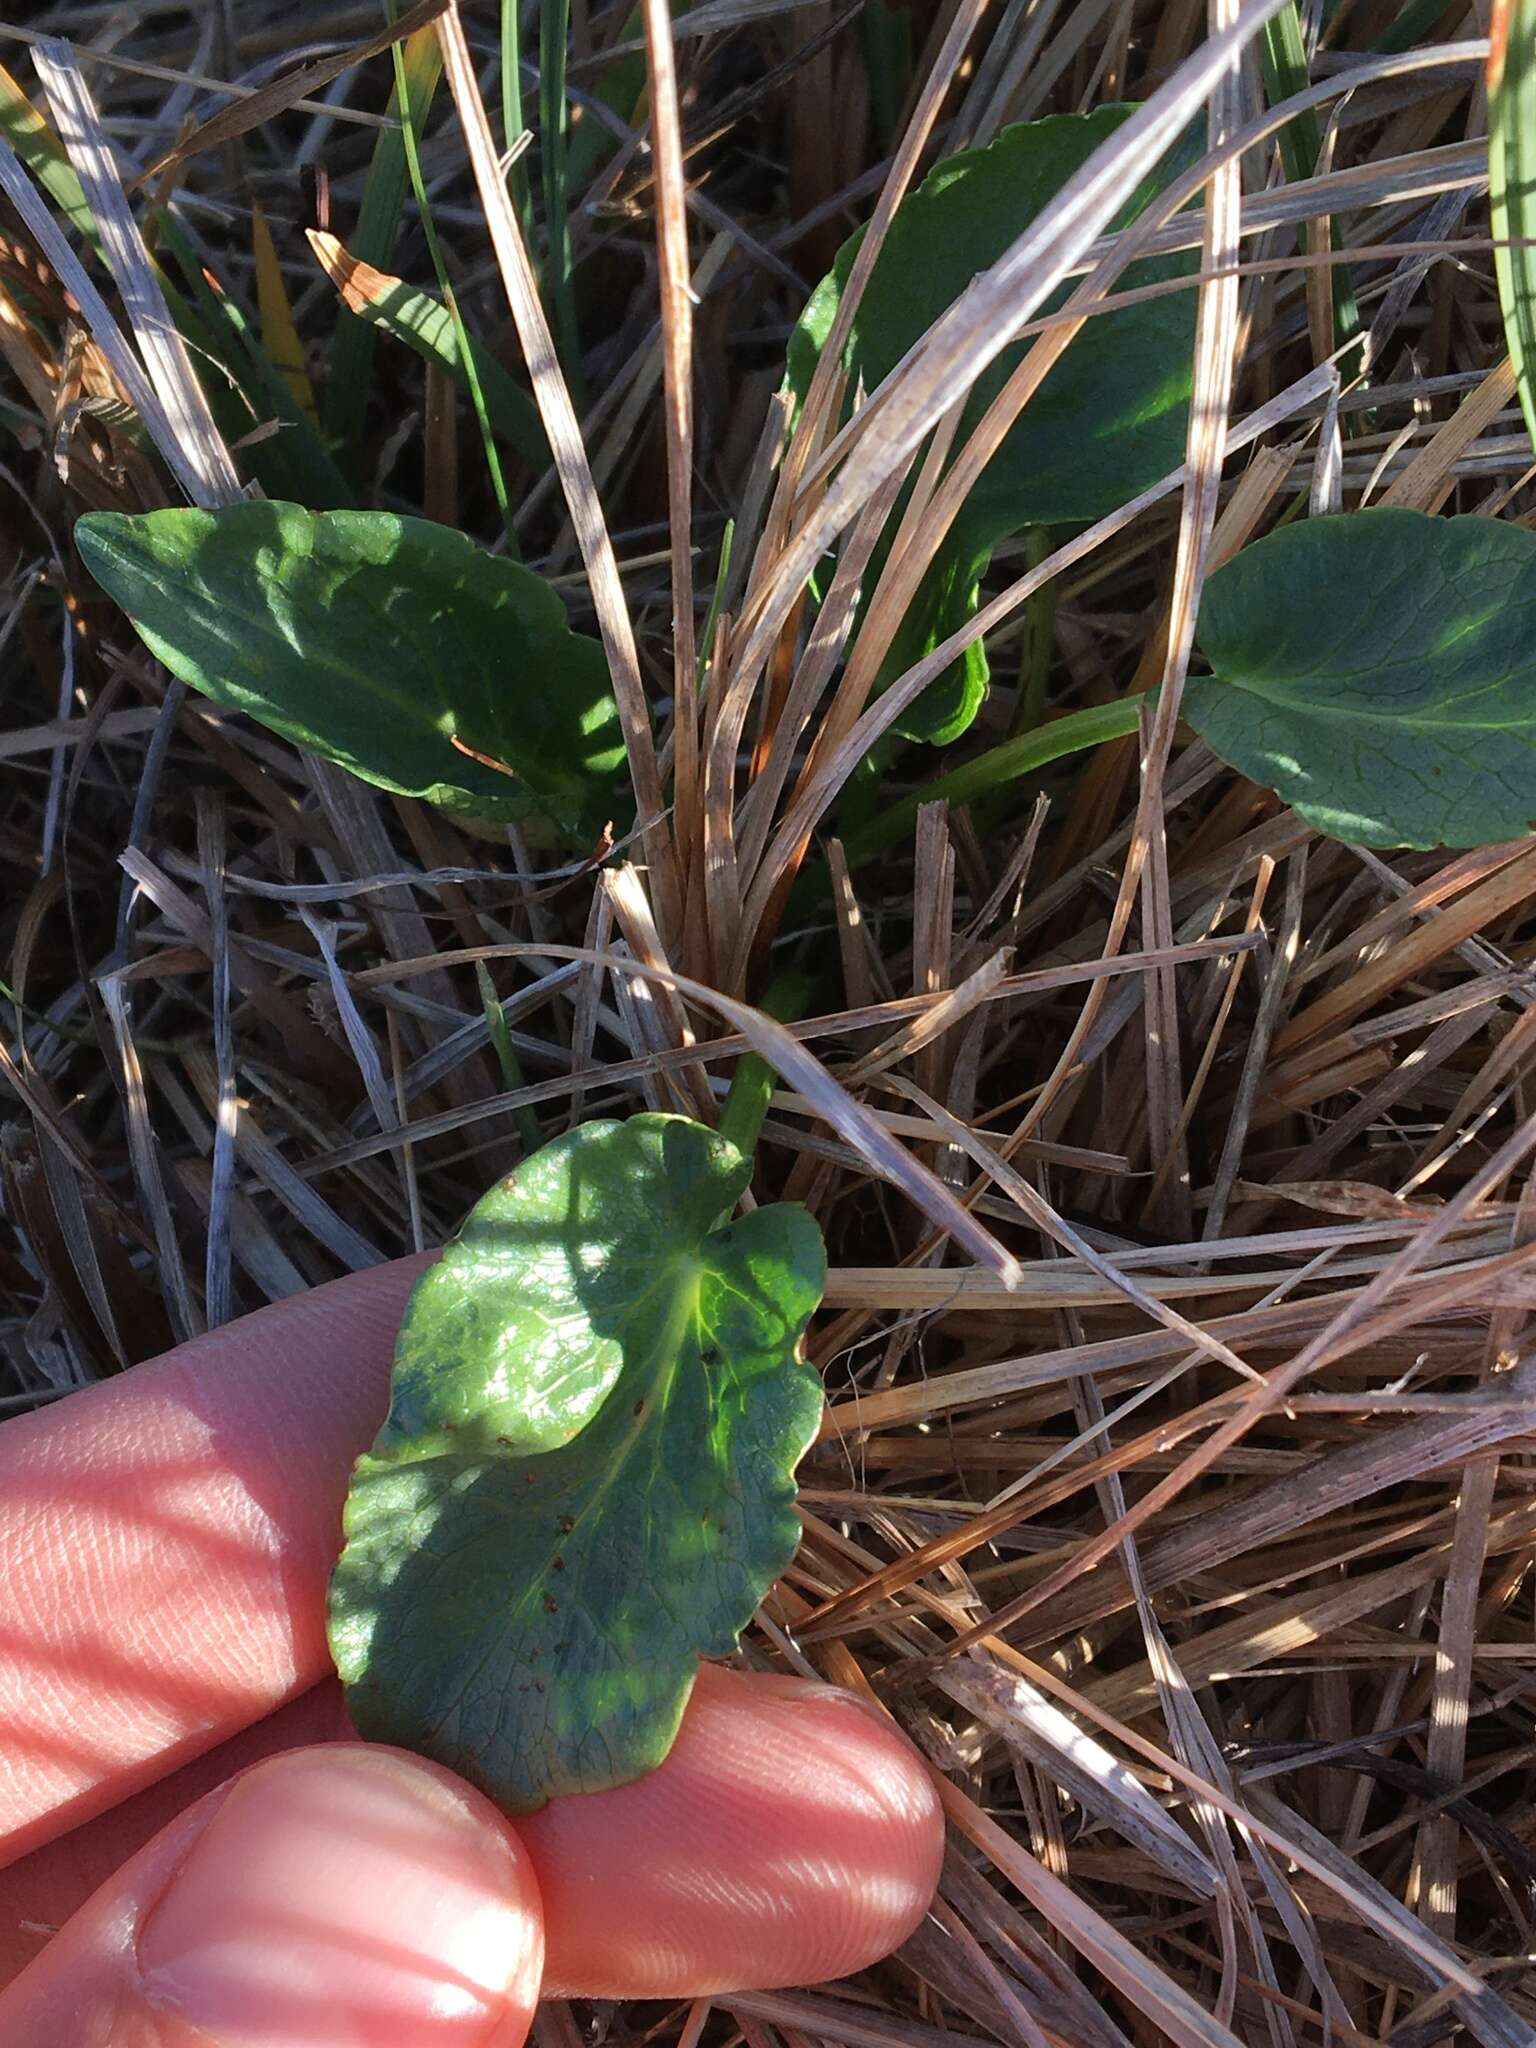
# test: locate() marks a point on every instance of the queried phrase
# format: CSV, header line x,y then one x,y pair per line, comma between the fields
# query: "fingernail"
x,y
348,1898
790,1686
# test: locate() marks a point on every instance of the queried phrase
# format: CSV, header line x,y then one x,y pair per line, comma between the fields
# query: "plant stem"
x,y
752,1084
512,123
506,1054
746,1104
998,767
1039,639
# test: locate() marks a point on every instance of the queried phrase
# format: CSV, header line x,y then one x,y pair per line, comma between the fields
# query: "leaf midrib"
x,y
1374,715
325,659
683,1274
612,1471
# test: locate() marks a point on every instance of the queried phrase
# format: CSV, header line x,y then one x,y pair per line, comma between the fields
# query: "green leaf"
x,y
40,149
425,324
1413,24
378,642
585,1481
1108,420
1378,669
1511,198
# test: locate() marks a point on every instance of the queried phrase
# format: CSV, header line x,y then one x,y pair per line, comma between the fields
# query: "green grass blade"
x,y
506,1058
426,326
512,122
1411,26
410,138
1511,168
717,597
886,36
373,241
24,128
244,387
750,1094
554,140
620,86
992,772
1283,56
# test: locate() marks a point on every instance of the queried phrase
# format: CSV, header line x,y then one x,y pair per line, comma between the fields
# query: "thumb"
x,y
341,1897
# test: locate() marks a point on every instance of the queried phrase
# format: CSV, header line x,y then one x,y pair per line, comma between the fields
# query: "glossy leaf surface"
x,y
585,1481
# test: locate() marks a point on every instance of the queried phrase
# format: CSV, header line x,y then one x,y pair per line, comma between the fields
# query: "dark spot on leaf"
x,y
551,1604
505,1442
529,1477
566,1524
557,1563
639,1408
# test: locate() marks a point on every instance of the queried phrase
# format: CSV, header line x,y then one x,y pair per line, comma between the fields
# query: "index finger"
x,y
167,1537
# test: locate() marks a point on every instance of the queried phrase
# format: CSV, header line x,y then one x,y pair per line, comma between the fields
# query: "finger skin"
x,y
40,1892
792,1835
342,1897
167,1537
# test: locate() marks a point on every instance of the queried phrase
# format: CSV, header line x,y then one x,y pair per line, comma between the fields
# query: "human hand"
x,y
181,1796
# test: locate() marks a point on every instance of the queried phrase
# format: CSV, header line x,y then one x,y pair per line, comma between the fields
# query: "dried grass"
x,y
1174,1161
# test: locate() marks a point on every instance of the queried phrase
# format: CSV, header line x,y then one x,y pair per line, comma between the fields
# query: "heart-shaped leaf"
x,y
390,645
1109,418
585,1481
1378,669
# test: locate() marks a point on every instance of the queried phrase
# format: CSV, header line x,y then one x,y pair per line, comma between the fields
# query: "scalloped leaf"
x,y
585,1481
